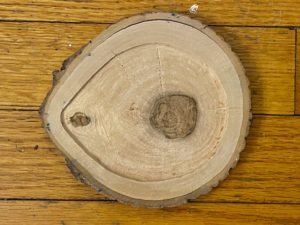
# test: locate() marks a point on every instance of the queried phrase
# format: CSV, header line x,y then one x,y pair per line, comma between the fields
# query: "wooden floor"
x,y
36,186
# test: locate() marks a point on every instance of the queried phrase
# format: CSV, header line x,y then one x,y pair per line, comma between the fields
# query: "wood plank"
x,y
246,12
70,212
31,167
297,93
267,54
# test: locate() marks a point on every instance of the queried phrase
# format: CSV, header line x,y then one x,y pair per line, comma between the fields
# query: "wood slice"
x,y
152,112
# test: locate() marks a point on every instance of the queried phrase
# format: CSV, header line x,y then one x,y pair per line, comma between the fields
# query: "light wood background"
x,y
36,186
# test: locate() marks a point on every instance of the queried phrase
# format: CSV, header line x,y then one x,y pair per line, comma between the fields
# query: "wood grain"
x,y
297,82
31,51
267,172
229,12
78,212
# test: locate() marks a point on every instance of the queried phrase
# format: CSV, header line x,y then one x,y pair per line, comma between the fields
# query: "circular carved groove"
x,y
174,115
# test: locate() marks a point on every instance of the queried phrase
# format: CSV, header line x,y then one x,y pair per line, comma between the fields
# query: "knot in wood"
x,y
79,119
175,116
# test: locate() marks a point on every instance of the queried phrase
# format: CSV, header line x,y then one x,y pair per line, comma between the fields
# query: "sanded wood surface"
x,y
31,167
127,118
230,12
69,213
31,51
